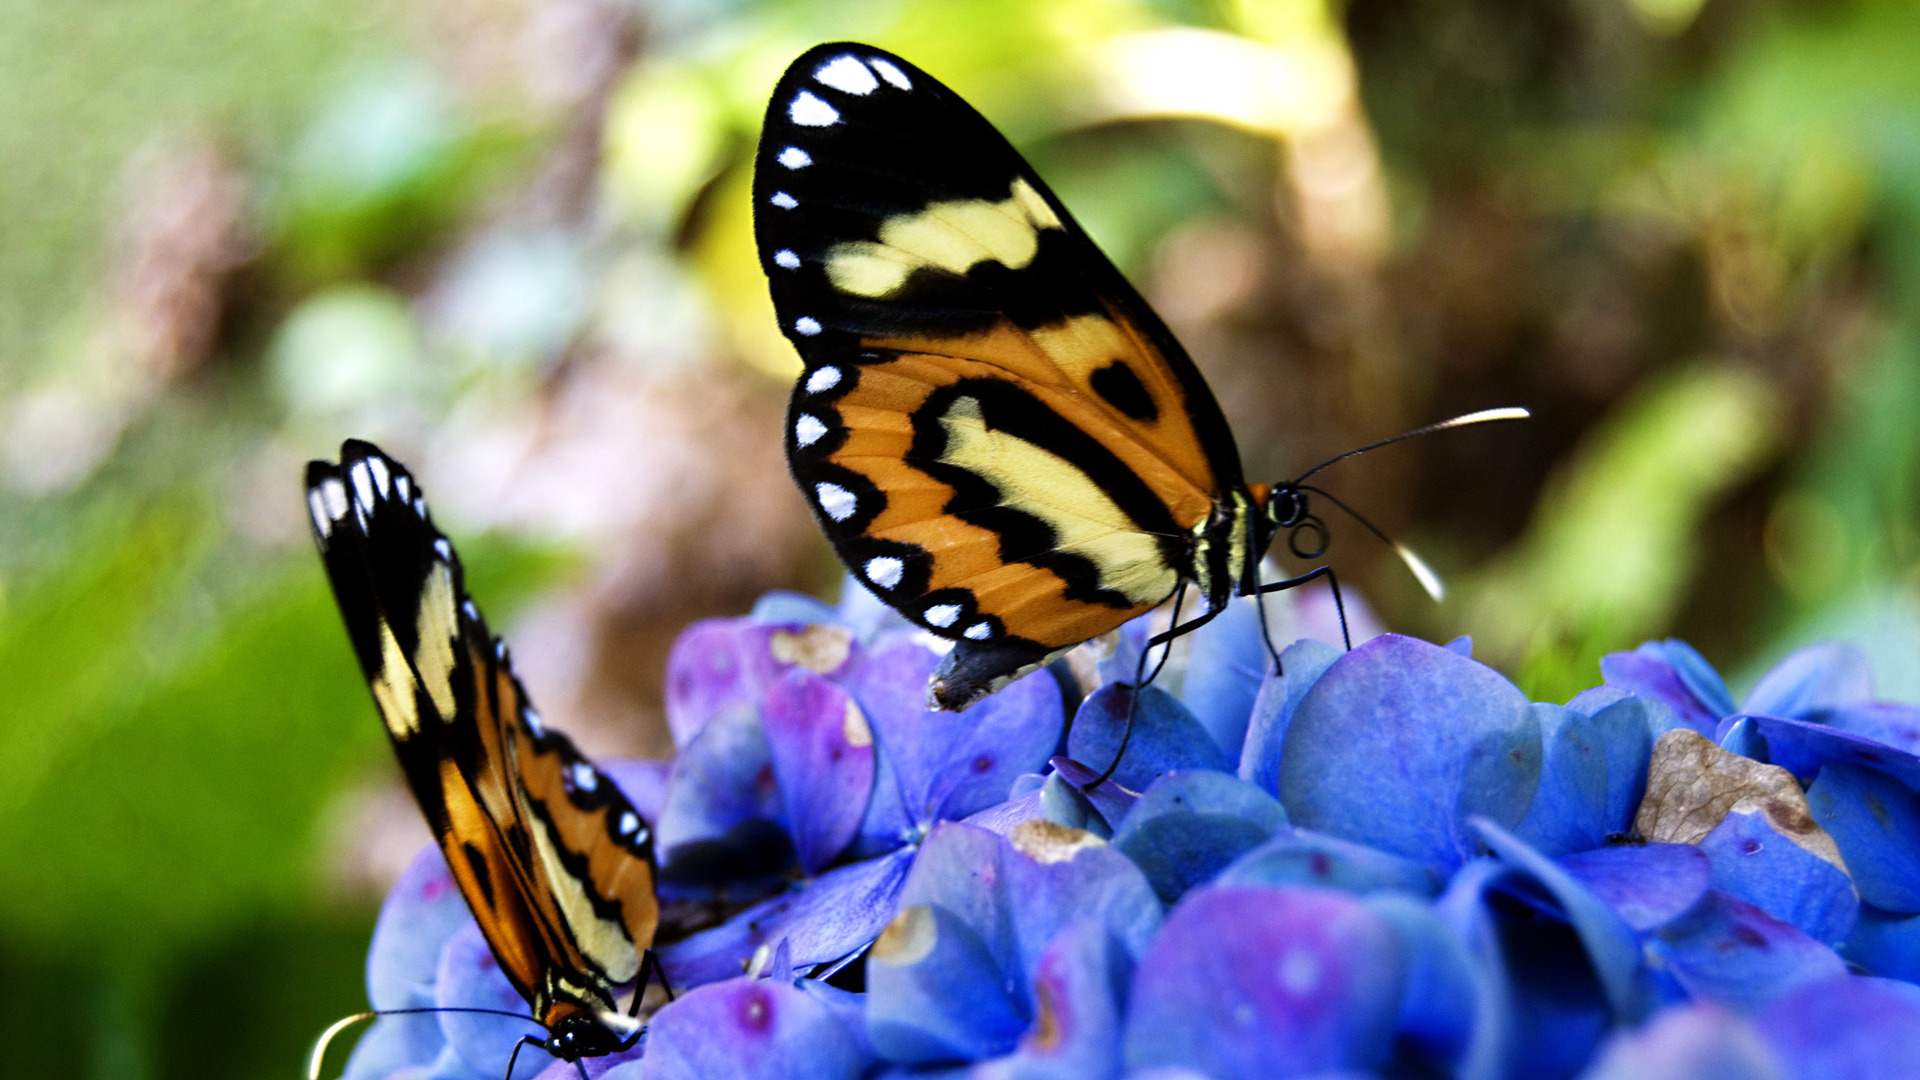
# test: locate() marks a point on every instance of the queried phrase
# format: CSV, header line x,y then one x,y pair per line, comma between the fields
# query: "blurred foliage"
x,y
1685,233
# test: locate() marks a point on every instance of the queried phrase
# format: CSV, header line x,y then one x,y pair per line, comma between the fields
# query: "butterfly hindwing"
x,y
554,861
996,432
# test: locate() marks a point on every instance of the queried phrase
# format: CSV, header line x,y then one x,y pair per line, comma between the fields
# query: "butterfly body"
x,y
557,866
996,432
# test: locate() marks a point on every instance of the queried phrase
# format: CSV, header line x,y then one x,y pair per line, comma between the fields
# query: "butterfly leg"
x,y
1141,678
1339,606
525,1040
650,966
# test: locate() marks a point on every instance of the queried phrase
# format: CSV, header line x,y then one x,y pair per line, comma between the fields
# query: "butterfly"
x,y
556,864
995,431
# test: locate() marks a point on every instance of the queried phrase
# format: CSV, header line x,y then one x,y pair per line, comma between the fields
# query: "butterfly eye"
x,y
1287,507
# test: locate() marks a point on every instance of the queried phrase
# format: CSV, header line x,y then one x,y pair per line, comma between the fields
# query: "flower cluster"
x,y
1385,862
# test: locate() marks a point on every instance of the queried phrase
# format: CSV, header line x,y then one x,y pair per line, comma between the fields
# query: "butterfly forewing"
x,y
996,432
554,861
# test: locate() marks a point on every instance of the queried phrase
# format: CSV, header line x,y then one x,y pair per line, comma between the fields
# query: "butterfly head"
x,y
1285,508
585,1034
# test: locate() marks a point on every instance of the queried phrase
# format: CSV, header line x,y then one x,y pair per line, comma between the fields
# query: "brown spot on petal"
x,y
1692,784
1045,842
819,649
908,938
1044,1036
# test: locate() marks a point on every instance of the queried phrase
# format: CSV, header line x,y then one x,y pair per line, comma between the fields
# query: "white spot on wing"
x,y
444,549
890,73
807,325
837,502
584,777
472,612
362,482
808,110
848,74
808,429
943,615
404,486
885,571
317,510
783,200
823,379
629,823
795,158
381,477
333,494
420,506
979,631
787,259
533,722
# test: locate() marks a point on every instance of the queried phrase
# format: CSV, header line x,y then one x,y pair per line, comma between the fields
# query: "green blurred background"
x,y
509,240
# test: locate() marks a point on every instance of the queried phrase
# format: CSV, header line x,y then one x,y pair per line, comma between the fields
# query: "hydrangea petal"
x,y
714,664
724,818
643,782
1893,723
1302,662
1739,735
749,1029
1754,862
1256,982
1191,824
1802,748
1695,1042
1673,674
1079,995
1858,1028
1056,875
1875,822
1729,951
1002,818
1438,1019
392,1044
936,993
1065,804
1400,741
624,1065
1308,858
1165,736
1593,775
1648,885
821,750
793,609
470,978
420,914
1885,943
823,920
1111,801
1820,676
1226,665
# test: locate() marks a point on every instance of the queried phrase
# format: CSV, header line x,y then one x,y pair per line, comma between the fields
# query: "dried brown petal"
x,y
1692,784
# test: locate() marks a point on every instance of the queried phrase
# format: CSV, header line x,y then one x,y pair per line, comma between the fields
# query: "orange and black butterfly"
x,y
995,431
556,864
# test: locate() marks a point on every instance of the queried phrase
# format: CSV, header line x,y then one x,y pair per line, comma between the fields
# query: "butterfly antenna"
x,y
1417,566
318,1057
1482,417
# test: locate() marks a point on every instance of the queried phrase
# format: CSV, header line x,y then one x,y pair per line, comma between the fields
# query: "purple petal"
x,y
1079,992
714,664
1400,741
1895,724
1883,943
1280,695
1109,799
1266,982
624,1065
750,1029
1753,862
1189,825
1593,776
1823,676
1695,1042
1307,858
470,978
724,819
1673,674
643,782
822,752
823,920
420,915
1858,1028
1802,748
1729,951
1649,885
936,993
1226,664
1001,819
1165,736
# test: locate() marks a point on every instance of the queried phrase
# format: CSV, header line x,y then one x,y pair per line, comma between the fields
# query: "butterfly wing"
x,y
994,429
555,863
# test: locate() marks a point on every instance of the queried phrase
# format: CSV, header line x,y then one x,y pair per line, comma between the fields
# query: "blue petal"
x,y
1308,858
724,819
750,1029
418,918
1648,885
1740,735
792,608
1593,776
1875,821
1857,1028
866,613
1673,674
1111,801
394,1043
470,978
714,665
936,993
1165,736
1802,748
1695,1042
1462,645
1002,818
1189,825
1439,1018
1400,741
624,1065
1754,862
822,921
1080,985
1885,943
1226,664
1303,662
1258,982
1065,804
1729,951
1822,676
821,751
1888,722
